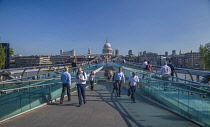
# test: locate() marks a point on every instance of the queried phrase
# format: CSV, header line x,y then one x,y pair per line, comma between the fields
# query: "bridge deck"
x,y
102,109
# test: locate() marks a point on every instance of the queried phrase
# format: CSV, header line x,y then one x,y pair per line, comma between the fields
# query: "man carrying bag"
x,y
133,83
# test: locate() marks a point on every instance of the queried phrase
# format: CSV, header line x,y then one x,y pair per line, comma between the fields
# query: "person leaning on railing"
x,y
165,71
66,84
149,66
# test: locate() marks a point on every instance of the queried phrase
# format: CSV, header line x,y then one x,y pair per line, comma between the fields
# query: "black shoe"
x,y
84,101
119,96
79,105
134,101
69,99
61,101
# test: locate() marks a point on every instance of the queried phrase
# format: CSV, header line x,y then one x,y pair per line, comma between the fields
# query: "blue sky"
x,y
43,27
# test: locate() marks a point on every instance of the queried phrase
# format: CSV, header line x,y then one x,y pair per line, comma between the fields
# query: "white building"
x,y
107,49
67,53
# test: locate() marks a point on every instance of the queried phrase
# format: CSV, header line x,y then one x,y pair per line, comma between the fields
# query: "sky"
x,y
44,27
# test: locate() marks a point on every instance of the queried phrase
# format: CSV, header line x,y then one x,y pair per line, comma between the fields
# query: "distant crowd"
x,y
166,69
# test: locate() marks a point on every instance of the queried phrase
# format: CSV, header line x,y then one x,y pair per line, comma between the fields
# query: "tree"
x,y
11,52
2,57
205,55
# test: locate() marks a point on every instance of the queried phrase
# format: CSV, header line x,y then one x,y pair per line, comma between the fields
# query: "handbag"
x,y
129,91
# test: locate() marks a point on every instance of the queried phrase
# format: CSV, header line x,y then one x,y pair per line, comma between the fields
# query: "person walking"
x,y
109,76
132,84
74,65
148,66
172,67
92,79
114,85
81,78
66,84
118,79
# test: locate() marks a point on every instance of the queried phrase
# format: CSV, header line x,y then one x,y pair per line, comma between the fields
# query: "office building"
x,y
173,52
130,53
35,60
166,54
117,53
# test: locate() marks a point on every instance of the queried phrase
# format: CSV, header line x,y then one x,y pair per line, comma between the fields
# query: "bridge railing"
x,y
45,78
19,99
189,74
8,74
189,100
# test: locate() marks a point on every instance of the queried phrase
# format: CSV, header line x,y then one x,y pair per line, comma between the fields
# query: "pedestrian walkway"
x,y
103,109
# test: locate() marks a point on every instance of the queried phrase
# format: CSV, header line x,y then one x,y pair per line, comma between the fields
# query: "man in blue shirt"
x,y
118,79
66,80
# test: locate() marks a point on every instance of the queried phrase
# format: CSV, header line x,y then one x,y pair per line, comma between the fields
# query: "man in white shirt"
x,y
133,83
144,65
165,70
81,78
118,79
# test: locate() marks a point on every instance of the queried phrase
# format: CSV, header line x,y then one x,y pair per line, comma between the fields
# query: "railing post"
x,y
23,72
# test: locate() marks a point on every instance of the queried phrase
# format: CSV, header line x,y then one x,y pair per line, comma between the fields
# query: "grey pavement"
x,y
103,109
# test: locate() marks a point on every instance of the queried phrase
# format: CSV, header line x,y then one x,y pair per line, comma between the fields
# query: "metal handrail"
x,y
31,87
201,85
34,80
3,91
174,88
26,87
30,81
171,76
40,74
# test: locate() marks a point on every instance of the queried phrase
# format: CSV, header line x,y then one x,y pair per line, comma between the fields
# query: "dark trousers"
x,y
119,84
172,73
74,70
66,86
81,92
91,85
133,90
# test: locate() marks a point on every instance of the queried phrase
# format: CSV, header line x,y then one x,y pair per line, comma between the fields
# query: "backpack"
x,y
82,73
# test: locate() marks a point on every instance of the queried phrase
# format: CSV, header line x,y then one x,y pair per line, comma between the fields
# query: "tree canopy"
x,y
2,57
204,51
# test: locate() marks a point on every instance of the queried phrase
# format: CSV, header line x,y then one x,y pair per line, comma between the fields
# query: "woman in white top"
x,y
133,83
92,79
